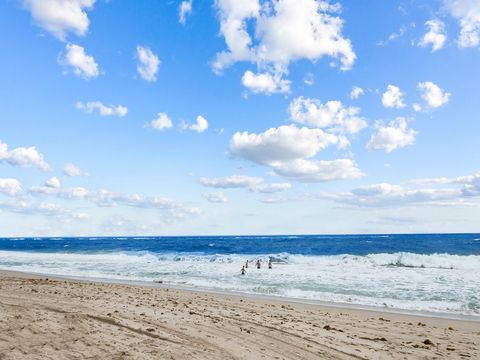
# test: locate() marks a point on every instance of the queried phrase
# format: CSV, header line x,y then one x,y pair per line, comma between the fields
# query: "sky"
x,y
239,117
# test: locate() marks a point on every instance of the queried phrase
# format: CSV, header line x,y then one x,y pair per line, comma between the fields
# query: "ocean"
x,y
414,272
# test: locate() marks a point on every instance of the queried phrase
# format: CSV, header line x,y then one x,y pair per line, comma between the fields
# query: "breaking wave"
x,y
436,282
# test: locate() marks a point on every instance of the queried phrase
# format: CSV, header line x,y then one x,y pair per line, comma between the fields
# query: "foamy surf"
x,y
435,283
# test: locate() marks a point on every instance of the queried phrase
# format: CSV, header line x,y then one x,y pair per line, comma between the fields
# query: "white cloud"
x,y
319,170
333,115
393,36
83,65
435,36
23,157
286,150
271,188
10,186
265,83
468,13
78,192
385,194
309,79
433,95
64,193
172,209
282,31
252,183
392,136
343,142
200,125
230,182
46,209
184,10
73,170
470,182
285,143
393,97
148,63
103,110
61,16
216,197
53,182
53,187
233,27
162,122
356,92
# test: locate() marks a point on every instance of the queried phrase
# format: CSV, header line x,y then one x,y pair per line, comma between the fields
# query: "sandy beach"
x,y
45,318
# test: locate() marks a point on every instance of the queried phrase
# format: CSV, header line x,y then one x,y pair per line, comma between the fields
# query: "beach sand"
x,y
44,318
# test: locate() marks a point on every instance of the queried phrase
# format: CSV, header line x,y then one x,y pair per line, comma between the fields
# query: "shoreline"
x,y
282,299
60,318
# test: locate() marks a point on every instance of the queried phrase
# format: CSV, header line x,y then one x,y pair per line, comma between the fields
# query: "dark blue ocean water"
x,y
459,244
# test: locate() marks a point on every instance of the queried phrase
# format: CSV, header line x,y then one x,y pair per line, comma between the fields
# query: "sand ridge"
x,y
43,318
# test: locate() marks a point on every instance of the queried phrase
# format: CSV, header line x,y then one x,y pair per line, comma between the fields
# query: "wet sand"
x,y
44,318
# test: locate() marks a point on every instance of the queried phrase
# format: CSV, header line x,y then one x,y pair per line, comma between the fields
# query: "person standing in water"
x,y
243,270
270,263
258,264
246,264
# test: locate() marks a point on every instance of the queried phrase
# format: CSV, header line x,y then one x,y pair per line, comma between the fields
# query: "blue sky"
x,y
239,117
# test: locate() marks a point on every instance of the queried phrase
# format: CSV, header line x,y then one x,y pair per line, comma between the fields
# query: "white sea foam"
x,y
438,282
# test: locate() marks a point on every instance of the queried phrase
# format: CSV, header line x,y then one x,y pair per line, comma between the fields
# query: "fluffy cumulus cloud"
x,y
393,97
252,183
267,83
200,125
216,197
392,136
332,115
83,65
272,34
148,64
288,149
73,170
103,110
468,13
356,92
10,186
162,122
433,95
285,143
435,36
23,157
59,17
184,10
53,182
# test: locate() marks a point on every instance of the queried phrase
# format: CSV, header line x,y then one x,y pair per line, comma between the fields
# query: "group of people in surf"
x,y
258,265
